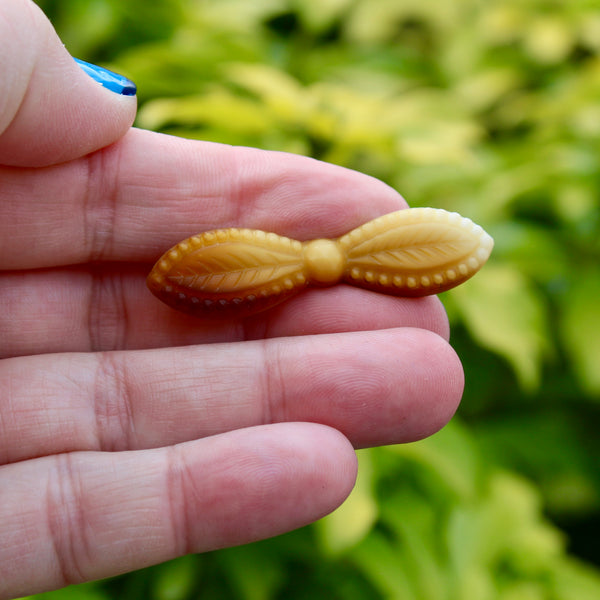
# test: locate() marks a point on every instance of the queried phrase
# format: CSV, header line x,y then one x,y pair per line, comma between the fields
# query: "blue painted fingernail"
x,y
111,81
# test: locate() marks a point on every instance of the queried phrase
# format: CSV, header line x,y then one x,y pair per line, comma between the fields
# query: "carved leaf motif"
x,y
233,267
413,246
231,272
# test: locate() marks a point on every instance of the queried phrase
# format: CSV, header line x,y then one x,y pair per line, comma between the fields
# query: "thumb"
x,y
53,108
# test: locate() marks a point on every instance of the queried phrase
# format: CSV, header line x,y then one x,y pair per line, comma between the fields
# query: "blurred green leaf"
x,y
249,574
534,250
84,591
319,15
416,527
567,473
209,110
383,562
350,523
507,315
175,579
575,581
580,327
450,457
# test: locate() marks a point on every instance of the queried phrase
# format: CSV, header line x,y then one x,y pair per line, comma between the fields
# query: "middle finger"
x,y
376,387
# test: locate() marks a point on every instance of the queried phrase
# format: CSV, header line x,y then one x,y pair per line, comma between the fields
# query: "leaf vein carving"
x,y
415,257
405,237
234,280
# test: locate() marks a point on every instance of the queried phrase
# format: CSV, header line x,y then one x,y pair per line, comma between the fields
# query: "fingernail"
x,y
111,81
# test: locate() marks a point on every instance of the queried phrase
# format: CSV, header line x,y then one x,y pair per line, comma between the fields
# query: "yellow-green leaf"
x,y
351,522
581,328
505,314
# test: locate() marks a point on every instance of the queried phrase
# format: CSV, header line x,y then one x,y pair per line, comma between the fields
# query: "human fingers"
x,y
376,387
51,111
81,310
86,515
136,198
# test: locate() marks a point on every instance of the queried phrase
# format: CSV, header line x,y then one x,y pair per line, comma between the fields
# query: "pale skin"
x,y
129,433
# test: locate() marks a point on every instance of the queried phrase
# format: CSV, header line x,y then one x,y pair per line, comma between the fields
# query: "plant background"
x,y
487,107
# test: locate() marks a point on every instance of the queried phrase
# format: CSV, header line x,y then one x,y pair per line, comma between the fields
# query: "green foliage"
x,y
488,108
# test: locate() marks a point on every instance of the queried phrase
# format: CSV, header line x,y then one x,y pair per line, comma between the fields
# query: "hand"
x,y
129,433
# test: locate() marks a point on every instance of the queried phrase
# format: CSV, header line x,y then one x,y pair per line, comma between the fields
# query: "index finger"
x,y
51,111
134,199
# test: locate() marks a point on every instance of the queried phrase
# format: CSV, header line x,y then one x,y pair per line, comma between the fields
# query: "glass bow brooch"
x,y
238,272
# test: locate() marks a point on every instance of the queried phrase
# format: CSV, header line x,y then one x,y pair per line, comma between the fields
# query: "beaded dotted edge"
x,y
419,283
189,301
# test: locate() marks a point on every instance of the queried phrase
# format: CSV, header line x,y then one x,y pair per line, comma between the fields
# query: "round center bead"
x,y
325,261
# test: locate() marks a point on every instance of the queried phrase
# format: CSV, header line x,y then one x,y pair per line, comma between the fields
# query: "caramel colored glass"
x,y
237,272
